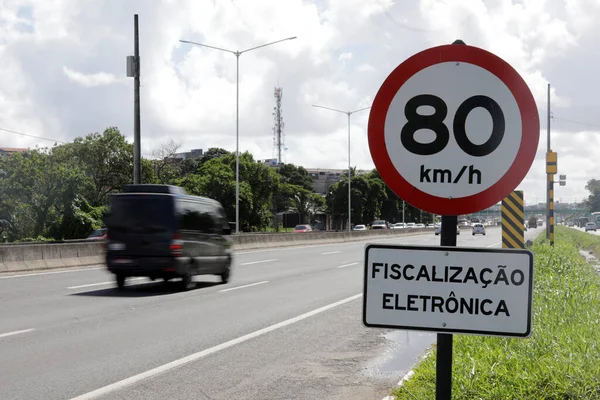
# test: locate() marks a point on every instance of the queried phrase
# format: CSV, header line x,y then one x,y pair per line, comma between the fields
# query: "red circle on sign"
x,y
507,183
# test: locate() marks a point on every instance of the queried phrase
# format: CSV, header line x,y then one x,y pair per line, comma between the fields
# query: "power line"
x,y
576,122
32,136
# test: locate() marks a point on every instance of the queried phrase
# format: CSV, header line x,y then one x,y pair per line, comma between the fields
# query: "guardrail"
x,y
30,256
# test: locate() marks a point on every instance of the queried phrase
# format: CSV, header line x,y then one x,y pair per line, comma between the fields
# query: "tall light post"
x,y
348,113
237,54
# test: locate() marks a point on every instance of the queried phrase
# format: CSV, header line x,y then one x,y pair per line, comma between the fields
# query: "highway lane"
x,y
88,337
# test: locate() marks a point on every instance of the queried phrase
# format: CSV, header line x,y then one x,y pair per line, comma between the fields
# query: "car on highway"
x,y
438,230
379,224
478,229
159,231
398,225
302,228
590,226
360,228
98,234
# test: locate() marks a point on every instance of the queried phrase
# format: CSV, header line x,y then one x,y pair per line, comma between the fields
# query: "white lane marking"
x,y
243,286
3,335
51,272
331,252
196,356
495,244
258,262
347,265
352,243
100,284
406,377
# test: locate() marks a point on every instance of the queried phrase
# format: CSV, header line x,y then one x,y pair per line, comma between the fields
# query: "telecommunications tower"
x,y
278,135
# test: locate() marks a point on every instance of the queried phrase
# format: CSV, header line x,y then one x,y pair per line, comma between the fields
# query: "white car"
x,y
360,228
590,226
478,229
379,224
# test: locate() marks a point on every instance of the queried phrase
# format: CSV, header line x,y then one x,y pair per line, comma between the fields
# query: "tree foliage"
x,y
62,192
593,200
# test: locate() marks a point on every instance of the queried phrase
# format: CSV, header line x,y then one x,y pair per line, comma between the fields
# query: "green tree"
x,y
297,176
106,159
213,152
305,203
37,188
593,201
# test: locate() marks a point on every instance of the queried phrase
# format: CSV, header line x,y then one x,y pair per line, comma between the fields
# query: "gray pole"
x,y
237,115
237,143
403,220
349,179
137,169
548,176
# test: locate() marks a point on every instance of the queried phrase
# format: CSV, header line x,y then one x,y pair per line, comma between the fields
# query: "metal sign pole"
x,y
443,367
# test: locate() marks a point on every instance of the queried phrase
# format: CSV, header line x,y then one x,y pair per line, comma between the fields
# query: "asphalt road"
x,y
288,325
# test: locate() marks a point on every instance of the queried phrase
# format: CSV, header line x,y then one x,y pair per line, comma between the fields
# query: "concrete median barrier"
x,y
40,256
257,241
16,257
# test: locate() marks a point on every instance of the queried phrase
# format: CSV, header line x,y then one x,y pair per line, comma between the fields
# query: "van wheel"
x,y
225,276
186,280
120,281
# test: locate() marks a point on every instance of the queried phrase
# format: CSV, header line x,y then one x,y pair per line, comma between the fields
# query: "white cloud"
x,y
343,52
93,79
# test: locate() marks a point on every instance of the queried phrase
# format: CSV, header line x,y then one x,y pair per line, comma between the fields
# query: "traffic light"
x,y
562,180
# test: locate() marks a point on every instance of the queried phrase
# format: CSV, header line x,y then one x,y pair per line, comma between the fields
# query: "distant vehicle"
x,y
360,228
478,229
411,225
532,222
438,230
302,228
379,224
420,226
98,234
398,225
590,226
571,224
158,231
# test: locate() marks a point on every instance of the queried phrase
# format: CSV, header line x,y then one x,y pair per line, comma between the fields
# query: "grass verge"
x,y
561,360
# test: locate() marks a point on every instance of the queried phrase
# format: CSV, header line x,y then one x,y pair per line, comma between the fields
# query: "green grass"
x,y
561,360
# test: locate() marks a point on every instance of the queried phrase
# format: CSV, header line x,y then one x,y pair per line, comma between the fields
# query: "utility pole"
x,y
549,177
137,159
349,114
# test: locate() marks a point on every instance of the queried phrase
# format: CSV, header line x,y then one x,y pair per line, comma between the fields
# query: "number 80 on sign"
x,y
453,130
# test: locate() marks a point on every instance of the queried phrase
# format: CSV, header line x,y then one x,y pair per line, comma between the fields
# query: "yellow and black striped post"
x,y
551,169
513,221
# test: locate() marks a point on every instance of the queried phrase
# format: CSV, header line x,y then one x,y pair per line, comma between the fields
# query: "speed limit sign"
x,y
453,130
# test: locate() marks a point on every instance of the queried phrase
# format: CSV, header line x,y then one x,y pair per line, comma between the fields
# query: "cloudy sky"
x,y
63,74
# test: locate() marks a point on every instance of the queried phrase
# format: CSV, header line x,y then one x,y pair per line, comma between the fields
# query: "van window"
x,y
141,213
197,216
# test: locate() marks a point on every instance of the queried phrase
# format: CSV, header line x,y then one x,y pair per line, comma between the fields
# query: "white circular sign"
x,y
452,172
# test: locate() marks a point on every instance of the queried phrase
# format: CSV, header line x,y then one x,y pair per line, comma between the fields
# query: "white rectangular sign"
x,y
479,291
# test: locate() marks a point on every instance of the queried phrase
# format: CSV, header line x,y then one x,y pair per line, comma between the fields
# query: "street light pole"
x,y
237,55
348,113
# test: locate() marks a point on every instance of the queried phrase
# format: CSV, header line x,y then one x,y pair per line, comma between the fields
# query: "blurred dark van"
x,y
160,232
